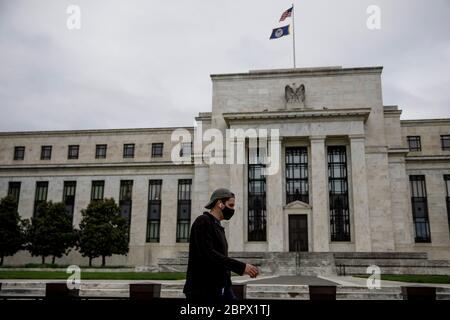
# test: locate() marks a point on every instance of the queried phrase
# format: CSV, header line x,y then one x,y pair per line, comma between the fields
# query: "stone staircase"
x,y
312,263
352,263
285,263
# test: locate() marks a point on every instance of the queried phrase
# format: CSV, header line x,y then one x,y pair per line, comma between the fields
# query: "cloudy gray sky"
x,y
146,63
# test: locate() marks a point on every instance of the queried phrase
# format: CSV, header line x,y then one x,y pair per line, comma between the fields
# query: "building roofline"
x,y
93,131
411,123
322,71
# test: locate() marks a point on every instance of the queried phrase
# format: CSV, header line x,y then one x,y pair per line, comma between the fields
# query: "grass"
x,y
442,279
41,275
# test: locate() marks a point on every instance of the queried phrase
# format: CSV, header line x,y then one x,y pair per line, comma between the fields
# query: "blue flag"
x,y
280,32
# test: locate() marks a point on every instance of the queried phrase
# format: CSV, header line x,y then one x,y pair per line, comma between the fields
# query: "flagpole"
x,y
293,31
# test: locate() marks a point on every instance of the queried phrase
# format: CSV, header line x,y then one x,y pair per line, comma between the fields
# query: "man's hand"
x,y
251,270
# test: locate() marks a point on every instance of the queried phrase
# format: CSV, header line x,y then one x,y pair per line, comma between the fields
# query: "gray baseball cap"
x,y
220,193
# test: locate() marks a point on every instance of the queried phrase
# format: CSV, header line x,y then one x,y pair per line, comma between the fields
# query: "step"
x,y
172,293
105,292
381,255
349,270
277,288
278,295
368,296
394,263
23,292
355,289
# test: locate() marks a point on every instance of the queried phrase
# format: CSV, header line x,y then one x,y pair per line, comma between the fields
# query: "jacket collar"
x,y
216,221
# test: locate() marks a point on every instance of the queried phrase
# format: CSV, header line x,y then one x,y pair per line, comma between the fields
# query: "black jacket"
x,y
209,265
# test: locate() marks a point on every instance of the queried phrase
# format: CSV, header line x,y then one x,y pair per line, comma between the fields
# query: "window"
x,y
128,150
420,208
73,152
154,210
414,143
447,198
445,142
19,153
98,187
157,149
46,152
41,195
186,149
297,174
184,210
100,151
338,194
14,191
256,226
125,199
69,196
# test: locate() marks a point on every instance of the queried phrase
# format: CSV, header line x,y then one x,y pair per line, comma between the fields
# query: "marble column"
x,y
200,187
360,196
319,193
235,226
274,202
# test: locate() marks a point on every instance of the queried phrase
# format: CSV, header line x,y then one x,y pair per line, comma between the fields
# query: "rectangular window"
x,y
19,153
98,188
184,210
69,196
420,208
447,198
186,149
40,195
100,151
414,143
73,152
445,142
128,150
46,152
14,191
125,199
257,220
154,210
338,193
297,174
157,149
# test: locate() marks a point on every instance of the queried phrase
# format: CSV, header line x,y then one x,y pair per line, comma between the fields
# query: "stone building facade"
x,y
353,177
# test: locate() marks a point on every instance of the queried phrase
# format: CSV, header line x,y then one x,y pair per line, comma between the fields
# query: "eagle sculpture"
x,y
294,95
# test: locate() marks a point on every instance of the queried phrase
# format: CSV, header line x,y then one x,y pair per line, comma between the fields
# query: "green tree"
x,y
12,233
51,232
103,231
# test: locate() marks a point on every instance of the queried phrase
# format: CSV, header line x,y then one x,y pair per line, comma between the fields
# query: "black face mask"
x,y
227,213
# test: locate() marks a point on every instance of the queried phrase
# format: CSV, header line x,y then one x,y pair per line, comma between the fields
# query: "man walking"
x,y
208,277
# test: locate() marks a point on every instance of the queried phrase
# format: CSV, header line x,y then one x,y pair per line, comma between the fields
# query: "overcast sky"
x,y
146,63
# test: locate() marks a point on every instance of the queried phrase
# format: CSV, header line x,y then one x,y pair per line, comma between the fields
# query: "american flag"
x,y
286,14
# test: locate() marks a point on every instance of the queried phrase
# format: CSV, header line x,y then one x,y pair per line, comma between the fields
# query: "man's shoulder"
x,y
202,219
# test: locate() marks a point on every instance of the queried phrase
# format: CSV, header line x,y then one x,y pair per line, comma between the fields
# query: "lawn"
x,y
41,275
442,279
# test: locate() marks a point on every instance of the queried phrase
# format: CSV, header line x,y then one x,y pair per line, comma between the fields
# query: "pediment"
x,y
297,205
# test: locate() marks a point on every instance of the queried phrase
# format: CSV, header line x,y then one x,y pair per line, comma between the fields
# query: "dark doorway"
x,y
298,233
